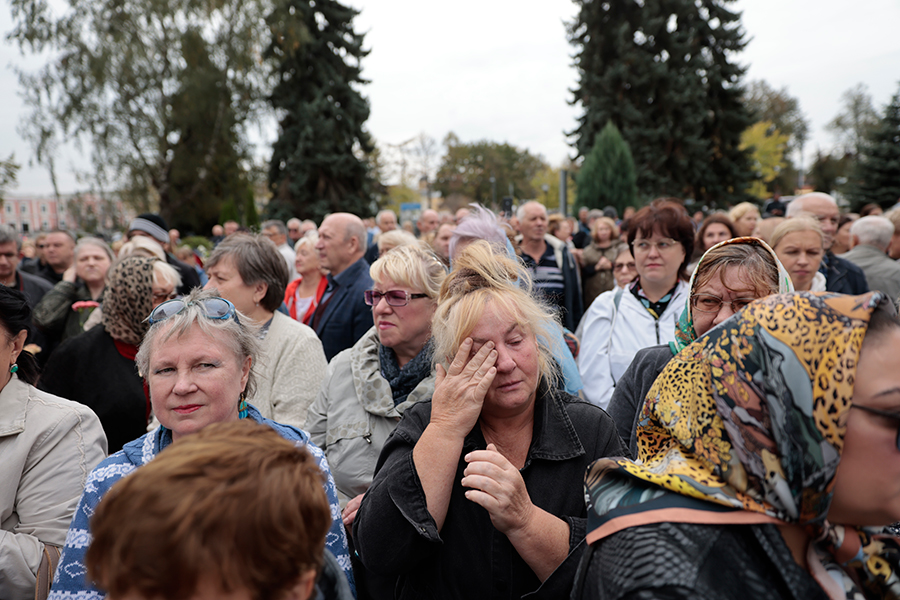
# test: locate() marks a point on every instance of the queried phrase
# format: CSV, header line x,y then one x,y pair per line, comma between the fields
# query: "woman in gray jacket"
x,y
368,386
48,445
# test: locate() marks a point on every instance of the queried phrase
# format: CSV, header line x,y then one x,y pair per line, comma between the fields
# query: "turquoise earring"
x,y
14,368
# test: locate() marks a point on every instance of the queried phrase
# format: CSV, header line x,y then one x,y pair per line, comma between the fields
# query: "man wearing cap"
x,y
154,227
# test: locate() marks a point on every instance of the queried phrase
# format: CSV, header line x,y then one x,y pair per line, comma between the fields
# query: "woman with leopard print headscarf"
x,y
97,367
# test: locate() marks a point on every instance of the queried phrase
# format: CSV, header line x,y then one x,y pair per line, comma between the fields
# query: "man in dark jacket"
x,y
841,275
32,286
154,227
342,316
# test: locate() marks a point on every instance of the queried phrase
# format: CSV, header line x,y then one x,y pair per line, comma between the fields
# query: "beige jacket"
x,y
48,447
354,414
290,371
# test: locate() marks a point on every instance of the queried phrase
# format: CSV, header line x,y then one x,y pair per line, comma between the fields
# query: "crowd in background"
x,y
461,383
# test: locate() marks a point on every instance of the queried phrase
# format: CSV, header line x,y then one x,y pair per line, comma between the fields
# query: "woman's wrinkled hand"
x,y
498,487
603,264
460,390
69,274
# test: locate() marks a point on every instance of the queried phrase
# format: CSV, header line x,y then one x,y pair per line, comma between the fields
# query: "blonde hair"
x,y
481,276
742,209
613,228
142,246
164,273
414,266
793,225
394,239
310,238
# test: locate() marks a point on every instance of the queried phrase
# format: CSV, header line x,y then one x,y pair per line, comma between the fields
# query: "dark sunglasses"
x,y
895,417
392,297
213,308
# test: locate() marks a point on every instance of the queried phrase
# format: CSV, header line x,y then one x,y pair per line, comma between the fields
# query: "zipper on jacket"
x,y
656,324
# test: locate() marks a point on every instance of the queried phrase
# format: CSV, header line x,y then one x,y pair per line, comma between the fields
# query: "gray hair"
x,y
383,213
479,224
257,260
873,231
279,226
164,273
94,241
310,238
796,206
8,234
239,336
520,212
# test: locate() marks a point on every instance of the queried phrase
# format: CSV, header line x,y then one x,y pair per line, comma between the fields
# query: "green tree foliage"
x,y
159,89
607,176
549,177
466,169
856,120
829,173
766,146
783,111
319,162
663,73
877,175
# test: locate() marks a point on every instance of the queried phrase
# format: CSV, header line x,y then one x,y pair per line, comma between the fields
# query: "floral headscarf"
x,y
684,328
747,426
128,299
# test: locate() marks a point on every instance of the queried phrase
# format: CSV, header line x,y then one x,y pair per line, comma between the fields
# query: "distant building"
x,y
86,213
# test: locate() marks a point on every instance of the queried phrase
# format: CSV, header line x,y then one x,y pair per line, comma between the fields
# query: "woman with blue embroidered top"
x,y
197,359
729,276
621,322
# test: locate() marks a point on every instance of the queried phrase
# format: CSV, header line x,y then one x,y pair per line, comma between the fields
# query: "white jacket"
x,y
48,446
605,355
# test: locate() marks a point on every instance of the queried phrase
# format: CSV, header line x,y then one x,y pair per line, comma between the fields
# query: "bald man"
x,y
428,222
342,316
841,276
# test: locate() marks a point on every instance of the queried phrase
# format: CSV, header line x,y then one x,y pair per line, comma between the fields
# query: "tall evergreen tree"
x,y
877,174
319,160
607,176
662,72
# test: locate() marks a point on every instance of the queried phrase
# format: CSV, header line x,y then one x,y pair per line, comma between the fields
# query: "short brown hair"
x,y
758,263
669,219
256,259
235,504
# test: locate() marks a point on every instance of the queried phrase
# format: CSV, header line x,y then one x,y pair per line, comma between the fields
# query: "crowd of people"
x,y
470,405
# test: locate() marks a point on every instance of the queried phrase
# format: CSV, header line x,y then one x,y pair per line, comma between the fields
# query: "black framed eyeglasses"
x,y
713,304
882,413
394,298
212,308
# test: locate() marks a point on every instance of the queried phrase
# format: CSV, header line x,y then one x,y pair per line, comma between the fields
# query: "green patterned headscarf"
x,y
747,425
684,328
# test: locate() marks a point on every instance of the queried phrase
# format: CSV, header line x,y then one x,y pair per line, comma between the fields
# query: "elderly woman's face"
x,y
225,277
736,292
867,484
404,329
515,385
194,380
306,259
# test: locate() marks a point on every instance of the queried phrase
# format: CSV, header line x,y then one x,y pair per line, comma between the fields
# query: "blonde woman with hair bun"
x,y
485,478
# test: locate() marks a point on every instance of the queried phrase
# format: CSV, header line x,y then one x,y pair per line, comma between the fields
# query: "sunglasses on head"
x,y
212,308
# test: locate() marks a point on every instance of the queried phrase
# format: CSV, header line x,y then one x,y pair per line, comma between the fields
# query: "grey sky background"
x,y
501,71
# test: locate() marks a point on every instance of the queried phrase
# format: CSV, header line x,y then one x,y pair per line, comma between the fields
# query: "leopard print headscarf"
x,y
128,299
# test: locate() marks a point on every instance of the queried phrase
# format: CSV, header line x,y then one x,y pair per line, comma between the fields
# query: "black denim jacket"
x,y
398,541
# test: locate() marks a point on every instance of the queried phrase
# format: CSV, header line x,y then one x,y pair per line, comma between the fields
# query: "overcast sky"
x,y
501,71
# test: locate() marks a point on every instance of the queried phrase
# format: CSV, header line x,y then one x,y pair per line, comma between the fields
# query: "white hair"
x,y
520,212
796,206
873,231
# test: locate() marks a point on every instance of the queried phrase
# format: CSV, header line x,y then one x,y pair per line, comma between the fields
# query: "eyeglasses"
x,y
624,266
212,308
393,297
163,296
662,245
713,304
882,413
